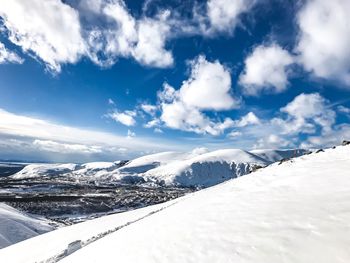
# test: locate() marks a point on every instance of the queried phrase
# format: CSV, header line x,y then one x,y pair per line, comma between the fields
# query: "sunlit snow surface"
x,y
297,211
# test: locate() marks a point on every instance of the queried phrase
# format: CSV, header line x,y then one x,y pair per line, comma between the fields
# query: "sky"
x,y
92,80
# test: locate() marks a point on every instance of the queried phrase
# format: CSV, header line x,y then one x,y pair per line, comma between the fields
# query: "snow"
x,y
35,170
206,169
54,244
98,165
276,155
147,162
197,168
16,226
297,211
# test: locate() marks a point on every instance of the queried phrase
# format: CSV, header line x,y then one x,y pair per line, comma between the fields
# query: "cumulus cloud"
x,y
266,69
306,116
334,137
272,142
55,32
178,115
324,39
50,30
7,56
306,112
224,15
249,119
123,35
208,88
152,36
126,118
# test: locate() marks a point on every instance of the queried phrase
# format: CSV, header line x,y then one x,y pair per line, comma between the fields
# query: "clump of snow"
x,y
16,226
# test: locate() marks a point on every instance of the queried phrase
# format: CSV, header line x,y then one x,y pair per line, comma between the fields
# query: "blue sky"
x,y
107,79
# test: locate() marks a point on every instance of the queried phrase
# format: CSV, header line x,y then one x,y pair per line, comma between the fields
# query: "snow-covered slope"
x,y
206,169
294,212
16,226
35,170
197,168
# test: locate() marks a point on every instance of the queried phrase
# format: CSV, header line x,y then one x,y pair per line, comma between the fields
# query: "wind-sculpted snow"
x,y
295,211
16,226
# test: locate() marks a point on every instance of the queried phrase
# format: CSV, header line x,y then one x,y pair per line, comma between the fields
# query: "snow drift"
x,y
297,211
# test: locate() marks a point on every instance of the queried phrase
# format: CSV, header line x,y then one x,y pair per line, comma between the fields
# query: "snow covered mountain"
x,y
206,169
35,170
16,226
198,168
296,211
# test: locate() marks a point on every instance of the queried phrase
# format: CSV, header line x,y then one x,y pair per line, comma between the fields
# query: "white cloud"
x,y
266,69
306,111
334,137
208,88
53,32
306,116
50,30
152,35
17,134
58,33
143,39
65,148
116,37
7,56
177,115
130,134
324,39
234,134
152,123
224,15
157,130
111,102
272,142
343,109
149,109
249,119
126,118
